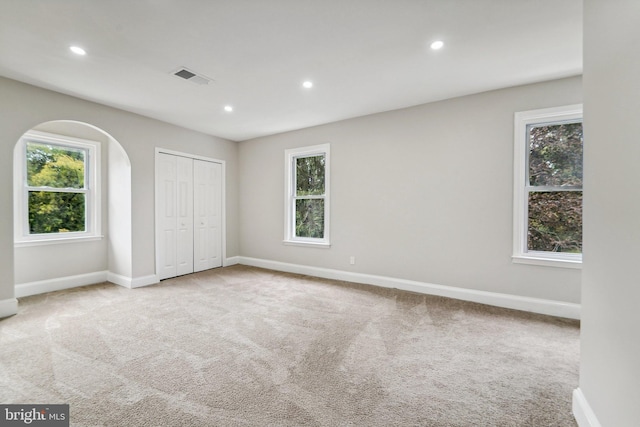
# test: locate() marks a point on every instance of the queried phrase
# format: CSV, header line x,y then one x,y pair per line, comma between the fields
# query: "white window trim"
x,y
93,207
520,194
289,193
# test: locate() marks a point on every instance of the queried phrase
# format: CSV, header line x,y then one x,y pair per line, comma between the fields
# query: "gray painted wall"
x,y
23,107
610,335
424,193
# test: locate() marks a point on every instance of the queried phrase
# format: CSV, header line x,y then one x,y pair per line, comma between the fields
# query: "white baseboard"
x,y
534,305
138,282
231,261
130,282
119,279
585,417
8,307
60,283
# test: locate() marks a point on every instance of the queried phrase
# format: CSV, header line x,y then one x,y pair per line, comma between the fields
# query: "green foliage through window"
x,y
310,218
310,176
555,221
555,155
51,170
52,212
555,196
309,194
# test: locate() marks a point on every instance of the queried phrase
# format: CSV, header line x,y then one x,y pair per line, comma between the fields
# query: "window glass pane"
x,y
51,212
555,221
310,218
310,175
54,166
555,155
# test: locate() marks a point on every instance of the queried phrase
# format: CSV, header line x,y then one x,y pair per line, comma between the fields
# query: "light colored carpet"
x,y
242,346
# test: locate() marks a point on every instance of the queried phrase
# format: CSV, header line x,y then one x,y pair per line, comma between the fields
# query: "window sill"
x,y
547,261
56,241
323,245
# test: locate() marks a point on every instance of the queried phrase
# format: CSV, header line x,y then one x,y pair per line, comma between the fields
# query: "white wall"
x,y
23,106
423,193
119,235
610,334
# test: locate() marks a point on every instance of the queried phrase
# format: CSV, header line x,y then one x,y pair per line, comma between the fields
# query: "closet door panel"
x,y
207,215
189,215
166,191
184,209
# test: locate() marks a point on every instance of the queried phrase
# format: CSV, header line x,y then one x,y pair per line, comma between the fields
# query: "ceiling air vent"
x,y
185,73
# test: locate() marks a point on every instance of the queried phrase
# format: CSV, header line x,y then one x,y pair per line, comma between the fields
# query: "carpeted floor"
x,y
242,346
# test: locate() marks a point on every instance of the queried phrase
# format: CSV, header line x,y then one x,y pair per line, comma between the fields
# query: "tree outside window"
x,y
555,188
57,196
307,195
548,187
56,186
310,173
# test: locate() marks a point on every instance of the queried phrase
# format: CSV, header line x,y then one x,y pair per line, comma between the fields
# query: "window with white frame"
x,y
57,196
548,187
307,195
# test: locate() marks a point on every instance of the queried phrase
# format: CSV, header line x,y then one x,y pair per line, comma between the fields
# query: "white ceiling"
x,y
364,56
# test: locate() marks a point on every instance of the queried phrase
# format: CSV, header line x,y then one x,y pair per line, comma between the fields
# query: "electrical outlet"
x,y
352,260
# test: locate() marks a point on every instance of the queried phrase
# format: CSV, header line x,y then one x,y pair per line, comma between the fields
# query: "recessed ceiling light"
x,y
307,84
77,50
228,108
437,44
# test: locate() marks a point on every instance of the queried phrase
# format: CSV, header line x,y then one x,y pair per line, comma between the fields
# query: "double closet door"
x,y
189,215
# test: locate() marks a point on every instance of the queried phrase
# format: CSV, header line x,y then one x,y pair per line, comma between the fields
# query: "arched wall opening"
x,y
54,266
